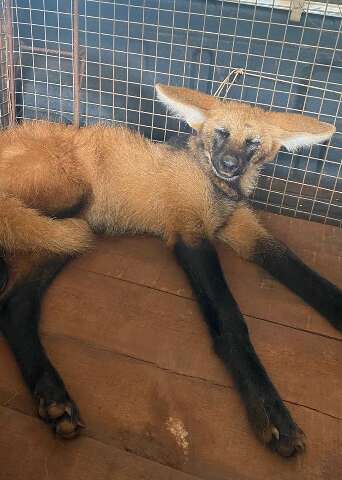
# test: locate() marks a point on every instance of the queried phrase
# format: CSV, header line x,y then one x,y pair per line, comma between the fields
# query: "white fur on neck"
x,y
192,115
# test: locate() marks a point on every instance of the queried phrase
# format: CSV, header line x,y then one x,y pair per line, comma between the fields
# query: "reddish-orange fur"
x,y
130,184
112,180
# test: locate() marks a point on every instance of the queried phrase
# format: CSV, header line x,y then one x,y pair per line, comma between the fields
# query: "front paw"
x,y
274,426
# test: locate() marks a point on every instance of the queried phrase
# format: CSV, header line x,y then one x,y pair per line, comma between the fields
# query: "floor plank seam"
x,y
324,335
97,347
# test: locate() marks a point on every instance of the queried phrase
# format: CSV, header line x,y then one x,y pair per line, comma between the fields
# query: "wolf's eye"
x,y
253,143
222,133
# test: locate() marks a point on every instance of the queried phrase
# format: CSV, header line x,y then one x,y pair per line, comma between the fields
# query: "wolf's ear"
x,y
189,105
294,131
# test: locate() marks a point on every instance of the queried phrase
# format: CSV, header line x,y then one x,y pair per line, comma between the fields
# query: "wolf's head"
x,y
236,138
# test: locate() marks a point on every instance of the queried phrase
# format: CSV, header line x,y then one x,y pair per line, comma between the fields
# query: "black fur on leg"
x,y
315,290
3,275
267,414
19,319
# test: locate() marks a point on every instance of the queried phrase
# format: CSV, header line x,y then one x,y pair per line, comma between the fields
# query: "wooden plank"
x,y
44,457
148,262
169,331
304,235
129,404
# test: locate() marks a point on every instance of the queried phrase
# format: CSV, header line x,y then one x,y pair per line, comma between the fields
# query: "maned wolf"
x,y
60,185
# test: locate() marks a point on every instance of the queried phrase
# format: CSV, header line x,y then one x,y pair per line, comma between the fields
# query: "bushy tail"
x,y
25,229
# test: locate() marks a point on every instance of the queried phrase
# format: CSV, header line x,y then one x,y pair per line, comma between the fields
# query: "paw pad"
x,y
63,417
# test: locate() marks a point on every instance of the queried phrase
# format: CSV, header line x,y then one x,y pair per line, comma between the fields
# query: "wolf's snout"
x,y
229,165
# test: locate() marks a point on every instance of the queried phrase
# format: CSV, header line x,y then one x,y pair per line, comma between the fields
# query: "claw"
x,y
275,433
266,435
68,410
81,424
300,445
41,409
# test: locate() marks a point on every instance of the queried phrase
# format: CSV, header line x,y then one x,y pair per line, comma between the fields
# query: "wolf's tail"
x,y
25,229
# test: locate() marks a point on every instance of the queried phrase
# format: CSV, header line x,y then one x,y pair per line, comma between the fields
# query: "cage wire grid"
x,y
6,59
3,68
85,61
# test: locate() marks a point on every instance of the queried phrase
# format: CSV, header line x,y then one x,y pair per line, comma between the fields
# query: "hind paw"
x,y
64,417
274,426
55,406
287,440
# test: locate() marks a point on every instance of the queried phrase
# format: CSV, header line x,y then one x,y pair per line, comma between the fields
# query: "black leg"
x,y
266,411
19,318
3,275
315,290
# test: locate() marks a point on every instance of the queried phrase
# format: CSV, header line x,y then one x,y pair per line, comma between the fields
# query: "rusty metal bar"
x,y
51,51
10,62
57,53
76,64
45,51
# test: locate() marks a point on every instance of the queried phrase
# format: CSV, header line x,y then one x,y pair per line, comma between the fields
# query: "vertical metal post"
x,y
75,64
10,62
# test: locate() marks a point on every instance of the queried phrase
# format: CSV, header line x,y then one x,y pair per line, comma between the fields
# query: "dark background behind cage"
x,y
127,46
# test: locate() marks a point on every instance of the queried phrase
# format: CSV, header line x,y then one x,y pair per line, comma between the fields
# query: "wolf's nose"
x,y
230,164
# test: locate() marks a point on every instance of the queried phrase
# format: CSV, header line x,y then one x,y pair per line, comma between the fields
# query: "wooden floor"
x,y
122,328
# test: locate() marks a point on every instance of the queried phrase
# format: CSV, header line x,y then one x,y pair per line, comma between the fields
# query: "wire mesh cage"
x,y
4,86
3,68
85,61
